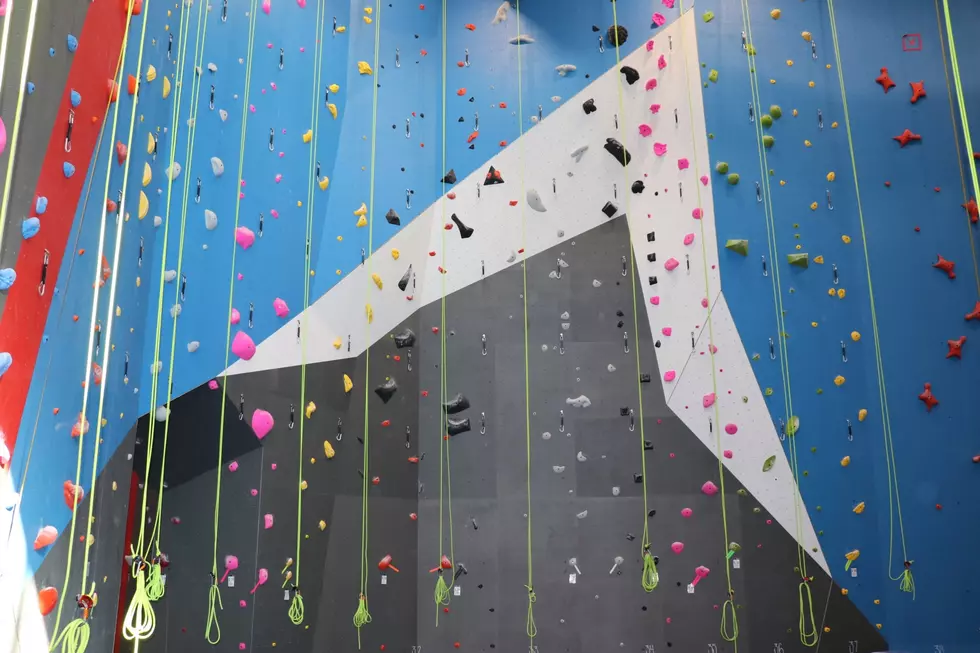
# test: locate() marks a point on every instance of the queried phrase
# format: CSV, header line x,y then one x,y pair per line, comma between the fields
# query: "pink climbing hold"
x,y
645,130
728,453
704,302
274,213
241,646
263,578
279,305
244,237
658,19
267,7
709,488
236,317
668,3
3,8
233,466
3,136
671,264
231,564
697,214
708,400
240,276
267,521
242,603
254,492
243,346
683,164
278,178
651,84
677,547
662,62
213,384
712,349
666,331
704,180
273,86
660,149
654,108
670,375
731,429
650,45
688,239
655,300
262,423
251,109
686,512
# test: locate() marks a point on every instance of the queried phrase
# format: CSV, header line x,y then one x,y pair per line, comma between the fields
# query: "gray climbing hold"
x,y
512,257
193,346
173,171
157,221
169,276
578,152
217,166
210,220
534,201
580,401
223,115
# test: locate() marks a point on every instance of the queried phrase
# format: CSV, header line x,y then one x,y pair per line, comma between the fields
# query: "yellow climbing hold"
x,y
840,293
323,182
833,125
806,36
150,143
795,113
376,278
303,485
845,461
367,19
310,409
329,453
147,175
846,239
340,239
336,343
855,336
395,253
772,81
322,525
332,108
832,292
862,414
839,380
789,62
818,260
782,182
859,508
144,206
308,136
807,143
813,324
362,210
341,29
151,73
334,88
348,384
362,221
369,10
299,204
813,206
369,312
775,13
166,87
364,68
811,84
831,176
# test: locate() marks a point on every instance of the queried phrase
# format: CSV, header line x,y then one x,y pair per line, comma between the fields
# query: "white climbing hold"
x,y
578,152
210,220
170,275
580,457
534,200
501,14
212,67
558,469
611,367
161,414
175,310
580,401
223,115
583,514
173,171
565,68
193,346
512,257
217,166
157,221
596,283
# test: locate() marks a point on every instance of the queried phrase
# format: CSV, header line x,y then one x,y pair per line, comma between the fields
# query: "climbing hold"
x,y
589,106
713,75
151,73
364,68
243,346
671,264
637,187
131,83
521,39
862,414
580,401
906,137
386,390
7,278
348,384
464,231
859,508
632,76
217,166
166,87
768,140
801,260
173,171
768,463
775,14
839,380
262,423
971,208
616,148
457,426
144,206
361,222
945,266
45,537
121,152
739,246
721,168
449,177
493,177
376,278
403,282
392,217
404,338
210,220
955,347
974,315
67,168
733,179
457,404
708,16
885,81
534,200
147,175
927,398
47,598
244,237
30,227
323,183
280,307
709,488
361,210
616,35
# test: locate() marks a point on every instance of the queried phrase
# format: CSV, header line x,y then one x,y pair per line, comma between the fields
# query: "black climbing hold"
x,y
461,119
657,344
472,146
616,148
638,186
651,237
638,478
457,404
652,280
647,445
464,231
471,99
392,217
652,257
493,177
403,282
457,426
596,28
610,209
589,106
619,325
620,313
644,378
652,513
624,411
632,76
450,177
617,35
404,338
387,390
630,537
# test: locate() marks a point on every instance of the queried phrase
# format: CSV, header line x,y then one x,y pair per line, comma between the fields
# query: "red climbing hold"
x,y
905,137
927,397
121,152
975,315
112,88
885,80
972,210
110,206
955,347
945,266
918,91
976,459
131,84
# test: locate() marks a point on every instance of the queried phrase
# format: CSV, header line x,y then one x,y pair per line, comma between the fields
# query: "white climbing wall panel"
x,y
539,159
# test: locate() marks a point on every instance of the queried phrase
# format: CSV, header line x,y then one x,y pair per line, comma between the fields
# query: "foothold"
x,y
616,148
945,266
457,426
221,112
632,76
906,137
928,398
386,390
521,39
534,201
30,227
243,346
955,347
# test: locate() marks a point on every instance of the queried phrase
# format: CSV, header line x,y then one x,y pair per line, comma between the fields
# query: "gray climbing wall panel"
x,y
600,610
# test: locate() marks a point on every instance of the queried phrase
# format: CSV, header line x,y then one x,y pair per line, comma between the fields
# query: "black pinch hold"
x,y
450,177
632,76
457,426
464,231
404,338
610,209
638,187
457,404
393,218
403,282
589,106
616,148
387,390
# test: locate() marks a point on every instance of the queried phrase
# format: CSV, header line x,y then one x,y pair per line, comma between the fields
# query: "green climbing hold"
x,y
733,179
770,461
756,510
799,260
745,399
721,168
768,140
742,492
768,391
734,547
708,16
739,246
756,357
713,75
766,120
775,111
793,426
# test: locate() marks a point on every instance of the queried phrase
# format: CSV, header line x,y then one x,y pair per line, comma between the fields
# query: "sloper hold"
x,y
535,202
450,177
493,177
393,218
457,426
464,231
632,76
616,148
387,390
799,260
404,338
403,282
589,106
457,404
638,187
738,245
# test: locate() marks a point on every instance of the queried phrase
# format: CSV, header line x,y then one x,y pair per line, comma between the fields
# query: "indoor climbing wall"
x,y
302,265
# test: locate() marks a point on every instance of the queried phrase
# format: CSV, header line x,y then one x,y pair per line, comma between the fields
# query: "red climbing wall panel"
x,y
26,312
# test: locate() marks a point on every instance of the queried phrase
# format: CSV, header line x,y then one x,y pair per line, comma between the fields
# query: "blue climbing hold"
x,y
72,43
30,227
30,88
6,360
68,168
50,52
76,98
41,205
7,278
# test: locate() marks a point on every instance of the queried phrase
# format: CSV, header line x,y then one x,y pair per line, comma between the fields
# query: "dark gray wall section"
x,y
489,476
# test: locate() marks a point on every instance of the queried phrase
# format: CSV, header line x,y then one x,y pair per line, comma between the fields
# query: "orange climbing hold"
x,y
137,7
73,494
918,91
503,105
885,81
906,137
927,398
106,271
956,347
131,84
975,314
112,88
470,26
80,427
945,266
45,537
972,209
97,374
47,598
461,92
472,137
